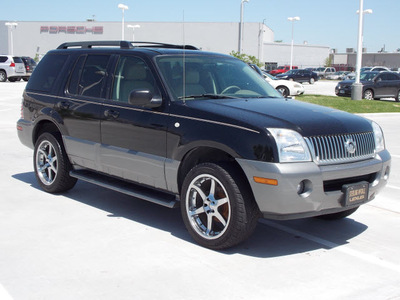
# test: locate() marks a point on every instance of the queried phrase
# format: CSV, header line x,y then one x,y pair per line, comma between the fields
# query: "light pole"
x,y
133,30
123,7
241,25
292,19
356,89
11,25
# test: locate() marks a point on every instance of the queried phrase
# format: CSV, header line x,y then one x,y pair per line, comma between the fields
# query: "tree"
x,y
328,61
250,59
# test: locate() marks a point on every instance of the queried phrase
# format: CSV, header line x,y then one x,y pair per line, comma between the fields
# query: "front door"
x,y
133,138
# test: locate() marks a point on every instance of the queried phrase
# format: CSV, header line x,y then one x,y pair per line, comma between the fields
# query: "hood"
x,y
307,119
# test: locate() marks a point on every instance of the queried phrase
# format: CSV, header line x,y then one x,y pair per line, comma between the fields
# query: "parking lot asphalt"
x,y
93,243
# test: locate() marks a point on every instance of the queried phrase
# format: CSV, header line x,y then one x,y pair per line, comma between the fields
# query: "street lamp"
x,y
241,25
292,19
356,89
11,25
123,7
133,30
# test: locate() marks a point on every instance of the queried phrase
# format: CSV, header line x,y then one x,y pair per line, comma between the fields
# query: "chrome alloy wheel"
x,y
46,162
208,207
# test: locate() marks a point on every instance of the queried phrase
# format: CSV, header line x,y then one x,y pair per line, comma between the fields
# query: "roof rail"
x,y
123,45
90,44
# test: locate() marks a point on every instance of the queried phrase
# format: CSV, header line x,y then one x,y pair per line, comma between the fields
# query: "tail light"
x,y
12,65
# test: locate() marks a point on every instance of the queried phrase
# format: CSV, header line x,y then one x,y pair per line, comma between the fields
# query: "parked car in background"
x,y
376,85
380,69
300,75
11,68
281,70
339,75
324,71
30,65
285,87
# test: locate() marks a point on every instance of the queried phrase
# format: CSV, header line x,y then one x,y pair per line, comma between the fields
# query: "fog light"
x,y
387,172
304,188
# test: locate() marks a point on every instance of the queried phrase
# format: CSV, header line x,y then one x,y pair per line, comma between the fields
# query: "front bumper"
x,y
343,90
283,201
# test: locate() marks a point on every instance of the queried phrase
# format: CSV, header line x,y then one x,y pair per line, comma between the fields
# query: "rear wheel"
x,y
217,208
3,76
339,215
52,165
312,80
368,94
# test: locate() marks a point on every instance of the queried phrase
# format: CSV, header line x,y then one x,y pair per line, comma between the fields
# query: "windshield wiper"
x,y
210,96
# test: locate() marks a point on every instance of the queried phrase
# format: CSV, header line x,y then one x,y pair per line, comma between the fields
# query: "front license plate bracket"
x,y
356,193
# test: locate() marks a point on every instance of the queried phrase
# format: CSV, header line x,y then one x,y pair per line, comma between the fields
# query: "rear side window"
x,y
88,75
46,73
3,59
18,60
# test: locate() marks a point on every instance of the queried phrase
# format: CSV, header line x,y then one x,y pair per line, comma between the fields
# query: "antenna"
x,y
183,58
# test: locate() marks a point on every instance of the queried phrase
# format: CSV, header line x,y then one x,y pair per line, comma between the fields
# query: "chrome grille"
x,y
331,149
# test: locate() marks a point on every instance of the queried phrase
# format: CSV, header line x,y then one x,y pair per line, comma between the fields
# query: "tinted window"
x,y
46,73
390,76
88,75
3,59
18,60
132,74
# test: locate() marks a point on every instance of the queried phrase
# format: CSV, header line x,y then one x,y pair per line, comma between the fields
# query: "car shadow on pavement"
x,y
270,239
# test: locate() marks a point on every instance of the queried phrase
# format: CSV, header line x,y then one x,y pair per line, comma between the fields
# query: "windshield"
x,y
212,76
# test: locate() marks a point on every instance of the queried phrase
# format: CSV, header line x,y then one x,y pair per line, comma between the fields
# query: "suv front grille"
x,y
333,149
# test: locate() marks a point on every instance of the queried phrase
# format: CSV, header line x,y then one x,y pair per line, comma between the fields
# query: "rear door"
x,y
81,106
19,66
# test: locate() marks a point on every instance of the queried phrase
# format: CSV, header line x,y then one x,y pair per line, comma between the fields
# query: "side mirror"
x,y
144,98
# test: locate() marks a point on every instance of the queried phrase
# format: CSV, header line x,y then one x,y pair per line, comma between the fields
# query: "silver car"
x,y
11,68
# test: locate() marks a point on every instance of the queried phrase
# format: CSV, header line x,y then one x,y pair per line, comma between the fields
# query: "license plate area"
x,y
356,193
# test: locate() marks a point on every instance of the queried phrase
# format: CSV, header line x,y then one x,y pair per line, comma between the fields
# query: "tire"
x,y
397,96
368,94
217,208
339,215
3,76
14,79
312,80
283,90
51,164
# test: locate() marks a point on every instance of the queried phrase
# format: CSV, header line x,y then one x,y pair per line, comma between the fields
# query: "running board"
x,y
128,188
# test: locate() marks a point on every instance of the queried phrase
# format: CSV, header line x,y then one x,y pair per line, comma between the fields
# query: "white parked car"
x,y
11,68
285,87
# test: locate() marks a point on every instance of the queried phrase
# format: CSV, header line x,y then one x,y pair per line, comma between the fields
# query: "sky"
x,y
332,23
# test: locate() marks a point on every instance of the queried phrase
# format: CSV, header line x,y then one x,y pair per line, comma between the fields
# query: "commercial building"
x,y
36,38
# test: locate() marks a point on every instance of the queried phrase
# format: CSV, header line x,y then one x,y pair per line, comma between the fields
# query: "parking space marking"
x,y
393,187
357,254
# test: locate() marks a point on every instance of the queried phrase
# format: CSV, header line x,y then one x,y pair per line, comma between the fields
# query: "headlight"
x,y
291,145
379,139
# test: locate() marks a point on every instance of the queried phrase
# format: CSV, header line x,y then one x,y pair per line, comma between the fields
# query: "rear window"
x,y
46,73
18,60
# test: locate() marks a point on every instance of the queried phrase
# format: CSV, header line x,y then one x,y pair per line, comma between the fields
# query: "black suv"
x,y
175,125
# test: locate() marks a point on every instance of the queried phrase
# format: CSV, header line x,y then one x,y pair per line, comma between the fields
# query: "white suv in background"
x,y
11,68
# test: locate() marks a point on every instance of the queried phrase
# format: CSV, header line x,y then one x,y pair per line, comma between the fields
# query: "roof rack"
x,y
123,45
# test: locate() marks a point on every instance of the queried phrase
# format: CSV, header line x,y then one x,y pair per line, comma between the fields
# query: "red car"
x,y
281,70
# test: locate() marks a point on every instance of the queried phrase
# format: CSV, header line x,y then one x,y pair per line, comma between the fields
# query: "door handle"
x,y
109,113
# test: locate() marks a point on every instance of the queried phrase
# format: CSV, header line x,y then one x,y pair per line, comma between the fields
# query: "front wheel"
x,y
217,207
368,94
283,90
51,165
312,80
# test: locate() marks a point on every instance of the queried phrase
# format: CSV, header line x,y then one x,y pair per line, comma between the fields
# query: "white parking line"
x,y
4,295
393,187
357,254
